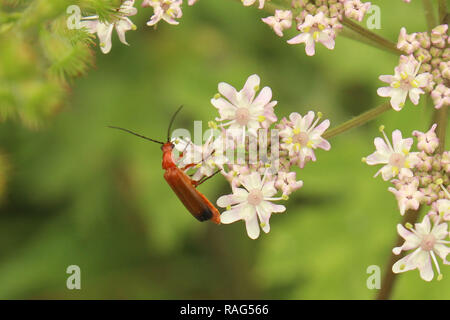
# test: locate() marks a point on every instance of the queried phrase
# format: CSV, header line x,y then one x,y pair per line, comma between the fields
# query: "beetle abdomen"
x,y
197,204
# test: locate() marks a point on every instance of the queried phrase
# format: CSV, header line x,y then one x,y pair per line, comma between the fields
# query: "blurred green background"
x,y
79,193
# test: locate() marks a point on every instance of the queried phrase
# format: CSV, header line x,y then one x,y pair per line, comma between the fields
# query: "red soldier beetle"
x,y
183,186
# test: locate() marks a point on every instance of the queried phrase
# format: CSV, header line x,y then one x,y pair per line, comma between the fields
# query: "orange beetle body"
x,y
184,187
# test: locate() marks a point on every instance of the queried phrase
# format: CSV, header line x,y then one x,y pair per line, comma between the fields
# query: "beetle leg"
x,y
184,150
197,183
188,166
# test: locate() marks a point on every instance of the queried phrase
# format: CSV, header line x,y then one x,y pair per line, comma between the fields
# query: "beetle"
x,y
183,186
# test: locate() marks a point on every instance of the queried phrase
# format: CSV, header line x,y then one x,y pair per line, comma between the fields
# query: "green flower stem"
x,y
443,14
429,14
440,117
382,42
358,120
350,34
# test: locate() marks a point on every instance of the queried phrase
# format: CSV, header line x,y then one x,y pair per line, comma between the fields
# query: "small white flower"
x,y
315,29
408,195
104,29
355,9
241,111
396,157
407,42
287,182
406,81
167,10
301,136
426,242
440,210
280,21
251,204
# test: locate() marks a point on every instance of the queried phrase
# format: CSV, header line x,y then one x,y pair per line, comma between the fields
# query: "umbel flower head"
x,y
319,21
104,29
260,175
420,179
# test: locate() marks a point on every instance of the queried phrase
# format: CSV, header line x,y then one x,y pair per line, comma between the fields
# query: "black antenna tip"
x,y
136,134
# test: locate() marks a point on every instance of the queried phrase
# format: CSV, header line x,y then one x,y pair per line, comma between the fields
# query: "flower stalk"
x,y
443,15
429,14
382,42
358,120
440,117
351,34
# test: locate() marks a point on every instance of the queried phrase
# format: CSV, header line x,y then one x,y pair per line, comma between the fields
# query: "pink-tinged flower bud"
x,y
311,8
445,162
444,67
423,54
355,9
425,67
426,179
439,36
428,141
299,3
437,165
424,165
440,96
446,54
424,40
287,182
435,62
280,21
407,42
440,211
435,52
428,195
408,196
323,9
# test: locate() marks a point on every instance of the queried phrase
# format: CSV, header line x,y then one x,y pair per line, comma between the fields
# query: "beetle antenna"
x,y
171,122
136,134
